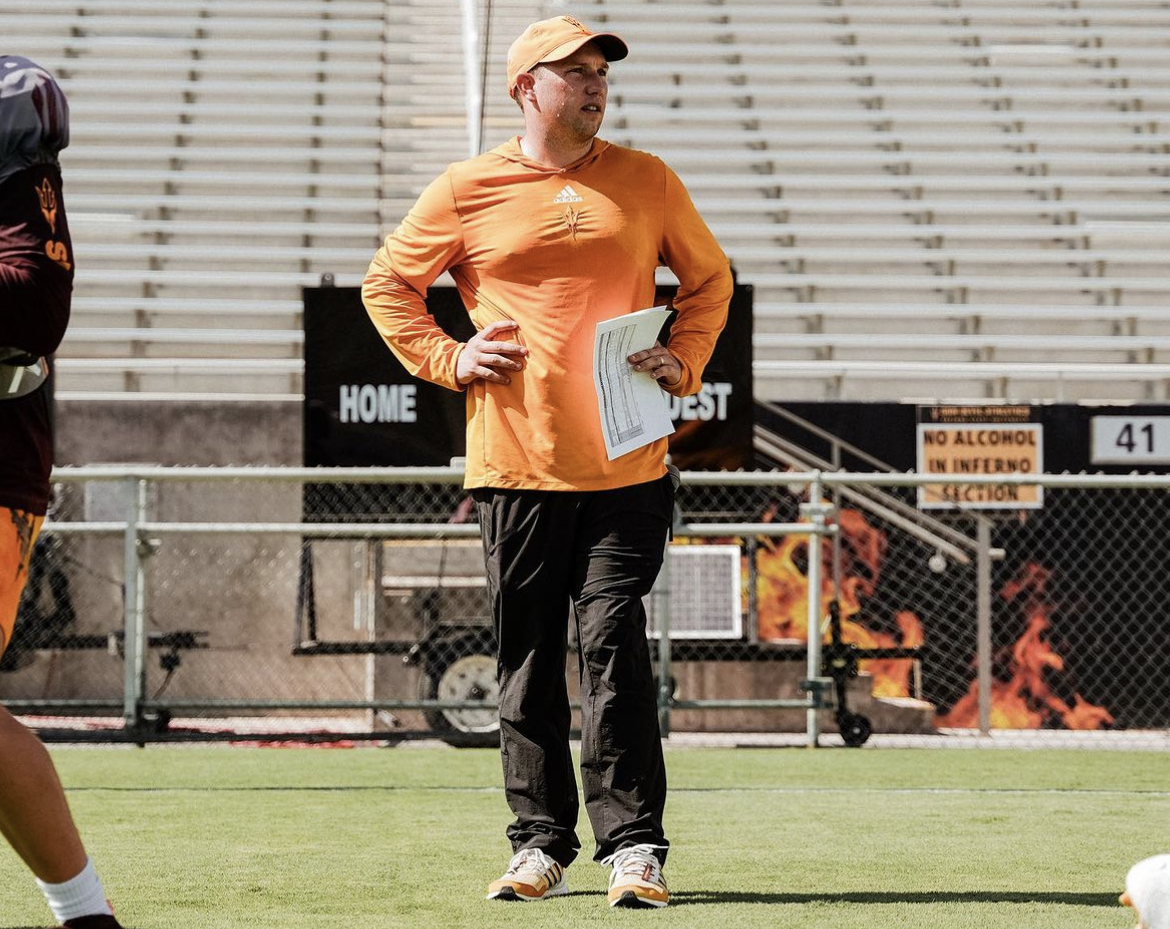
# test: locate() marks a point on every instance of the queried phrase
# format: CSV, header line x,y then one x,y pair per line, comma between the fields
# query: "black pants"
x,y
599,552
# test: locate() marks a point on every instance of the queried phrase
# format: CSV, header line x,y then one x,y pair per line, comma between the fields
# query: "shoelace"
x,y
634,860
522,858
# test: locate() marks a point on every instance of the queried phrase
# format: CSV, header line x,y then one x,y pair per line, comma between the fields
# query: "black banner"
x,y
363,409
1075,436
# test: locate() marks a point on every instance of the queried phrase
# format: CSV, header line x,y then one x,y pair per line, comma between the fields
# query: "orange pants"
x,y
18,532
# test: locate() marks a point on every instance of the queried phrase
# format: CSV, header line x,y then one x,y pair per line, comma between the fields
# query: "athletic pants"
x,y
18,532
597,554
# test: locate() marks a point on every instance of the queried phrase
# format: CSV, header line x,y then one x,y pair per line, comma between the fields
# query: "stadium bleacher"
x,y
222,157
908,186
1031,139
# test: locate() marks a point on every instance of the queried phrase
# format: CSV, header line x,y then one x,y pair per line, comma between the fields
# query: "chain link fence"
x,y
323,605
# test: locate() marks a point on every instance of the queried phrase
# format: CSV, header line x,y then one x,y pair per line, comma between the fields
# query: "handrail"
x,y
454,475
887,507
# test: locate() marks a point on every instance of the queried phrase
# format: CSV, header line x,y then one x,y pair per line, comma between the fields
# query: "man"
x,y
36,283
545,236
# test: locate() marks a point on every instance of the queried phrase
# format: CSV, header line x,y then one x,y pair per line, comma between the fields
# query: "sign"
x,y
714,429
362,407
1125,440
983,448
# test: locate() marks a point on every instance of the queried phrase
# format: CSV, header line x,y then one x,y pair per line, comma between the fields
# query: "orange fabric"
x,y
18,533
556,250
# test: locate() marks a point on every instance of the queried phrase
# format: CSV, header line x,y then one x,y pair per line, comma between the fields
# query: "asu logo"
x,y
48,198
574,22
571,214
572,218
55,249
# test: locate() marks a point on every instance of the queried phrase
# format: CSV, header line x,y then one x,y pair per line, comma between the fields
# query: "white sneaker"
x,y
531,875
636,879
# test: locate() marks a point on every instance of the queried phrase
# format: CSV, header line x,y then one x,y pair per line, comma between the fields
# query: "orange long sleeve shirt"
x,y
556,250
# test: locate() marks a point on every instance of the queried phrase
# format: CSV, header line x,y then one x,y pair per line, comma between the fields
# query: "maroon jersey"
x,y
36,274
36,285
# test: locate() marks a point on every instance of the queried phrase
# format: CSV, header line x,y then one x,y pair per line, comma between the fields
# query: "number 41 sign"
x,y
1125,440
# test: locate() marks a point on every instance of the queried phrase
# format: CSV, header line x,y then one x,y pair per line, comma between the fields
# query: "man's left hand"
x,y
659,363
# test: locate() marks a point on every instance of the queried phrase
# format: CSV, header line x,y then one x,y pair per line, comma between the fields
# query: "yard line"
x,y
795,791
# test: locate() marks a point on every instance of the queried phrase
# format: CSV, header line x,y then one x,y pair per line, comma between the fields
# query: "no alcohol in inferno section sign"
x,y
991,441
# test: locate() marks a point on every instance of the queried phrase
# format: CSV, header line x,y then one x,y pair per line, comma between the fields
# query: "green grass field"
x,y
206,837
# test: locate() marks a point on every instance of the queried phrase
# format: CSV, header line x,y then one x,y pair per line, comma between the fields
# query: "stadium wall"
x,y
179,432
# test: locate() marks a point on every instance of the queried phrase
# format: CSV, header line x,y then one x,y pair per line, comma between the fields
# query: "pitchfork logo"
x,y
572,218
48,198
54,248
571,215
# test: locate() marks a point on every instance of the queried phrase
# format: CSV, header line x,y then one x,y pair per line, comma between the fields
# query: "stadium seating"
x,y
910,183
840,137
222,157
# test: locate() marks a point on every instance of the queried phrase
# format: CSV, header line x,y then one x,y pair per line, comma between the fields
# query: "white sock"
x,y
82,895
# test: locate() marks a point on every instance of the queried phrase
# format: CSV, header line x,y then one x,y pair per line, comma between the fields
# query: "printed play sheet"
x,y
634,409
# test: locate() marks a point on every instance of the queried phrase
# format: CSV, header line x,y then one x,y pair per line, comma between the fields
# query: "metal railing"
x,y
143,535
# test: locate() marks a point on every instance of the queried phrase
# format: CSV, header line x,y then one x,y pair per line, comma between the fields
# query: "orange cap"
x,y
554,39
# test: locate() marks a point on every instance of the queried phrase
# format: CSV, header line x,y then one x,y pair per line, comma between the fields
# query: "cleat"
x,y
636,880
531,875
101,921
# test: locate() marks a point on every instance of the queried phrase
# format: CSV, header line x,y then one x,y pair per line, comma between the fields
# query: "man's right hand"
x,y
485,357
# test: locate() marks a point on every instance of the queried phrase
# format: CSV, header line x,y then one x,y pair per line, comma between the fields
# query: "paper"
x,y
634,409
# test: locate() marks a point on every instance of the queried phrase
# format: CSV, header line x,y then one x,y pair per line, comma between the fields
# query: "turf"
x,y
850,839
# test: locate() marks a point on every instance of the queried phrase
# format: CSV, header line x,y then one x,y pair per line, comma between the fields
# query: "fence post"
x,y
816,512
473,79
983,623
133,625
660,596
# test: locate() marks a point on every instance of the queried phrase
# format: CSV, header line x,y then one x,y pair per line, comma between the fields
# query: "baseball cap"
x,y
554,39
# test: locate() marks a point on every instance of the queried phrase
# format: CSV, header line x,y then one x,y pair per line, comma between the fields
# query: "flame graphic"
x,y
782,597
1024,700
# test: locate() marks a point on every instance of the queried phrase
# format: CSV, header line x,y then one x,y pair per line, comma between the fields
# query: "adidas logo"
x,y
568,195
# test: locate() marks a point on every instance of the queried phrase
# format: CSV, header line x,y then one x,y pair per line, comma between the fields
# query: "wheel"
x,y
470,677
855,729
672,681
